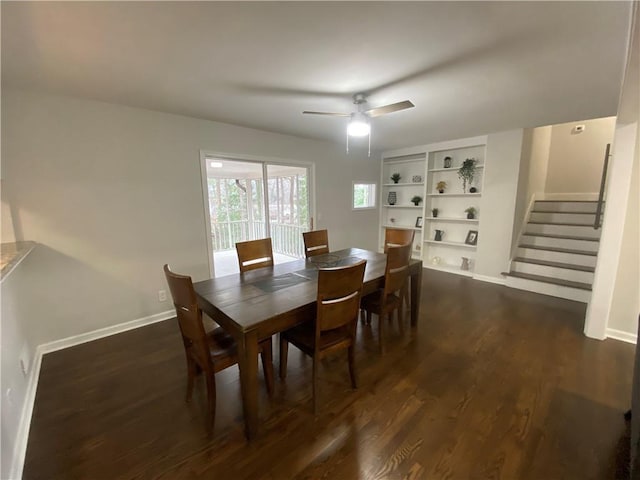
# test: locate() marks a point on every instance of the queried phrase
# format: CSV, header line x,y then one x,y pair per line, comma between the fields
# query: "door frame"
x,y
264,161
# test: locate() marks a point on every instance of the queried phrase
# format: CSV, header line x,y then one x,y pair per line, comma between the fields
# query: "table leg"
x,y
248,364
416,284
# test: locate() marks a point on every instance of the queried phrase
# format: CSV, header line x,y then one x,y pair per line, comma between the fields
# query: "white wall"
x,y
111,193
625,303
498,203
575,159
615,301
15,338
533,173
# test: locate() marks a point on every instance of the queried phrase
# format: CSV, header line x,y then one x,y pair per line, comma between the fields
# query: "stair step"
x,y
568,230
546,263
560,211
565,206
560,250
553,281
564,237
562,223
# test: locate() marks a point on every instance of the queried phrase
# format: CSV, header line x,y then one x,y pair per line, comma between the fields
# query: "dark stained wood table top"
x,y
246,301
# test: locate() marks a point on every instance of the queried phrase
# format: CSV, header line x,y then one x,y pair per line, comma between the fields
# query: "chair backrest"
x,y
189,316
254,254
397,236
397,268
316,243
339,292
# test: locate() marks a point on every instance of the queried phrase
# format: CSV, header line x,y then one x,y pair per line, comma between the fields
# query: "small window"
x,y
364,195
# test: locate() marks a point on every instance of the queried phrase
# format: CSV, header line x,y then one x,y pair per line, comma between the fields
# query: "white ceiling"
x,y
470,68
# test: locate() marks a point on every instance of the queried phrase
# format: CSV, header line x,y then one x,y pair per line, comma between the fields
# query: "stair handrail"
x,y
603,181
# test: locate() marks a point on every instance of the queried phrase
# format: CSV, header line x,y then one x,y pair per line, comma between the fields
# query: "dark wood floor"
x,y
495,383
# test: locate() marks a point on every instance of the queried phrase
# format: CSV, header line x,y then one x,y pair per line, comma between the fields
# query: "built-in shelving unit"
x,y
421,168
403,213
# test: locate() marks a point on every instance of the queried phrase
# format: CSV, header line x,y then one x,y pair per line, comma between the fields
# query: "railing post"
x,y
603,181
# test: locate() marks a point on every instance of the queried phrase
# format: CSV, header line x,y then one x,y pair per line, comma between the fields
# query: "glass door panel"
x,y
239,198
236,209
288,200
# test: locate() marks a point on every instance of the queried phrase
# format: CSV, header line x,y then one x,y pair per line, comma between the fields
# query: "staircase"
x,y
557,251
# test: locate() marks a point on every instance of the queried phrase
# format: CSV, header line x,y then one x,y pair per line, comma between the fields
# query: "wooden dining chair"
x,y
316,243
394,237
254,254
397,236
389,299
334,326
207,352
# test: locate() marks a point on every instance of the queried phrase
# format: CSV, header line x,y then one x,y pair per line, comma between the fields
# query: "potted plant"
x,y
396,177
441,185
466,172
434,212
471,212
416,200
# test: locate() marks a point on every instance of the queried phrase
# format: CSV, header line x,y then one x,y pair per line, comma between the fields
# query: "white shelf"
x,y
406,227
449,269
452,219
453,194
402,184
453,169
403,206
451,244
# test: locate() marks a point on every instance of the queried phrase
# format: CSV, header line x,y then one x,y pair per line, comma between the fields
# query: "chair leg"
x,y
284,352
315,385
267,363
381,332
368,317
352,367
211,396
401,317
362,316
192,371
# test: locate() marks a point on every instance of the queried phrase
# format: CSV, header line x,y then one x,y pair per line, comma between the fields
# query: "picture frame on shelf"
x,y
419,222
472,237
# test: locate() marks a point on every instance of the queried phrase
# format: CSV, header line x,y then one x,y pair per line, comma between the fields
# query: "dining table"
x,y
257,304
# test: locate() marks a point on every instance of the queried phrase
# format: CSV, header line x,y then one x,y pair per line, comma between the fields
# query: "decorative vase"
x,y
439,235
434,213
435,261
447,162
441,190
471,216
392,198
465,263
473,190
417,179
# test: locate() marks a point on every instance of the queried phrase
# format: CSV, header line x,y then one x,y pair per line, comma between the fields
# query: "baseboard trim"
x,y
622,336
22,437
105,332
488,279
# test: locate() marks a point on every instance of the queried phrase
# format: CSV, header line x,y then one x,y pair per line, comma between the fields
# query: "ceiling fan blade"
x,y
333,114
394,107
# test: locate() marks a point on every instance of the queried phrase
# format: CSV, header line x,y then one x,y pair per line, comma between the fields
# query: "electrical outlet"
x,y
162,295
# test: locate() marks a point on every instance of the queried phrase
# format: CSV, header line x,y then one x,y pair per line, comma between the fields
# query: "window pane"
x,y
364,195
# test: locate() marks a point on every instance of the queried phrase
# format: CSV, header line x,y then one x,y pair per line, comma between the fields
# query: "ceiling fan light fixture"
x,y
358,125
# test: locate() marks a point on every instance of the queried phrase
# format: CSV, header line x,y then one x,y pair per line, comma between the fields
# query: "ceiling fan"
x,y
360,125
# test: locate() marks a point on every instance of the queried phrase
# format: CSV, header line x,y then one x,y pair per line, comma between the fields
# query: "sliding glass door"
x,y
248,200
